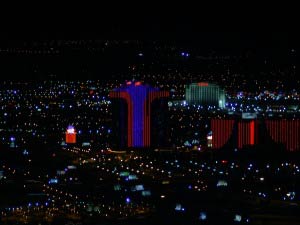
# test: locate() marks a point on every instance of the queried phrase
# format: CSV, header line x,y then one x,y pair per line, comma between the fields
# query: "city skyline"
x,y
174,126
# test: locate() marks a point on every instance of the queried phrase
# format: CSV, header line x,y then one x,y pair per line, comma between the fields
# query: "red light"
x,y
252,133
221,132
128,83
224,161
71,138
147,115
203,84
138,83
126,96
146,110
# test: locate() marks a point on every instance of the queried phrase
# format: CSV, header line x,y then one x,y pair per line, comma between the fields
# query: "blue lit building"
x,y
134,108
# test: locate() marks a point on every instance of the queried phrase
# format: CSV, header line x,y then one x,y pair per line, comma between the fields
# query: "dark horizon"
x,y
180,33
69,48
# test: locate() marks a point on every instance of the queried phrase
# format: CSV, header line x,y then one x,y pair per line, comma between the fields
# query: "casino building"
x,y
239,133
204,93
139,115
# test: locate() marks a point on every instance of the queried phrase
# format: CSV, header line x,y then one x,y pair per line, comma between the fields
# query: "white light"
x,y
178,207
71,131
237,218
222,183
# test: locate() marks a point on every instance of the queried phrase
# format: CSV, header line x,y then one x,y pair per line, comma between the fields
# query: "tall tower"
x,y
138,99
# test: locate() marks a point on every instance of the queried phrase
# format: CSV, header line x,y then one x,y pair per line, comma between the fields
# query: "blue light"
x,y
202,216
25,152
132,177
138,95
127,200
53,181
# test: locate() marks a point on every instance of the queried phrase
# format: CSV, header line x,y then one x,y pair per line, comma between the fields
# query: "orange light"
x,y
70,138
203,84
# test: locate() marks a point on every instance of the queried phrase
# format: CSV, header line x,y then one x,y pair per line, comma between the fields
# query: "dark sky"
x,y
190,26
182,33
192,31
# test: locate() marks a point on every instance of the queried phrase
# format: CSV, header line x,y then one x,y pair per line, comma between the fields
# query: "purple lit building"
x,y
138,99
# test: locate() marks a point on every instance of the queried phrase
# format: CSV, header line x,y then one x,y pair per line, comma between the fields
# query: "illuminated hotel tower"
x,y
204,93
71,135
138,98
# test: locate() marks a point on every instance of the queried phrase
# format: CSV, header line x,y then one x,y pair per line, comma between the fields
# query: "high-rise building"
x,y
70,135
204,93
134,108
285,131
253,131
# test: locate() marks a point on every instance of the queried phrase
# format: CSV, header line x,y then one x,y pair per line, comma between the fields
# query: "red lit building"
x,y
250,132
221,132
247,133
286,132
70,135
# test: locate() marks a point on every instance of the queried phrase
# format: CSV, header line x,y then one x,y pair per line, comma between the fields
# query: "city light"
x,y
181,130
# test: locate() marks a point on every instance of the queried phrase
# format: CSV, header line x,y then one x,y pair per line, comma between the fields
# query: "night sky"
x,y
183,32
